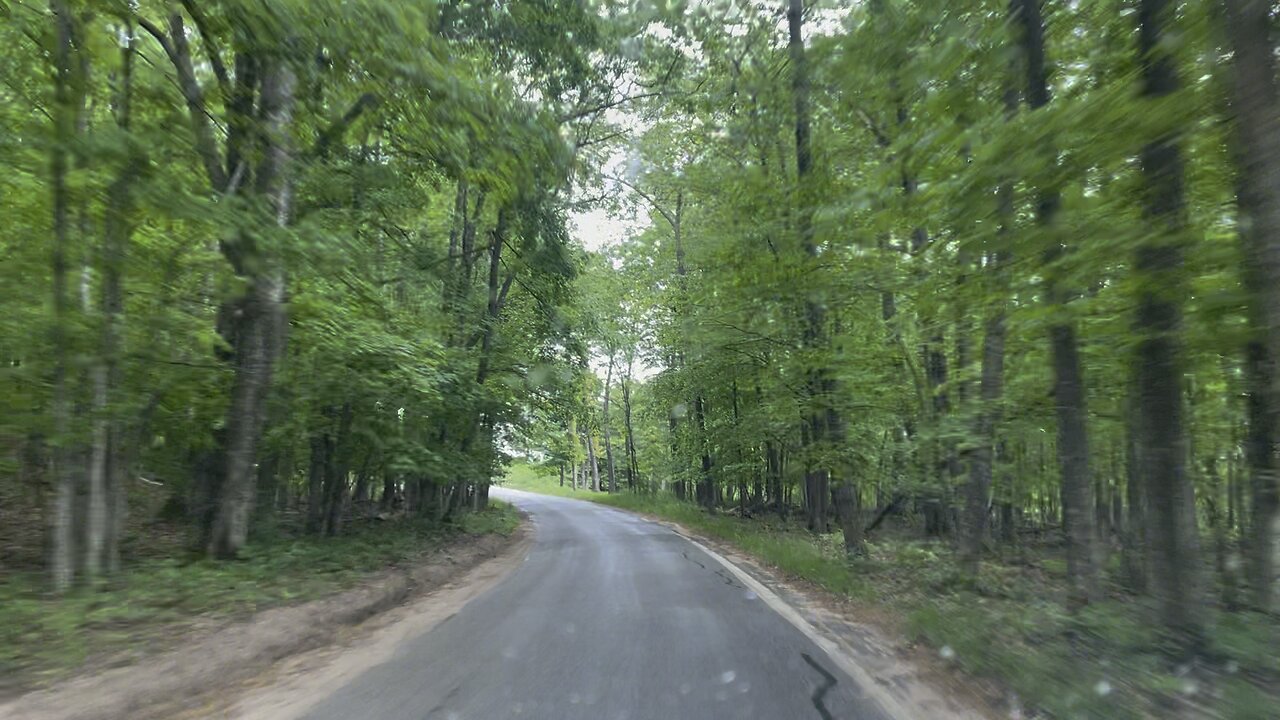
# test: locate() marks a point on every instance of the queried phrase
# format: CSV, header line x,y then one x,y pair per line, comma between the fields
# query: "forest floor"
x,y
173,614
1007,636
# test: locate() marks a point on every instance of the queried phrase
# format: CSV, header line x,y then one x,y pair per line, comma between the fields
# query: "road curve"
x,y
611,617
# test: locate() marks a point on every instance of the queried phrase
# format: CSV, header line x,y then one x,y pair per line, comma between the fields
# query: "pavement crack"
x,y
730,580
820,692
685,553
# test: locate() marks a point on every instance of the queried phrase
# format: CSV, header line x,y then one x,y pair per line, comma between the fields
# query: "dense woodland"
x,y
998,272
998,268
279,261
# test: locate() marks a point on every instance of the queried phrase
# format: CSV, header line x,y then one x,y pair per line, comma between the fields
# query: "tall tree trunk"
x,y
108,432
991,388
737,432
1257,124
633,466
707,482
1173,536
1068,374
819,386
63,523
608,434
991,383
1133,541
591,460
260,325
315,480
773,475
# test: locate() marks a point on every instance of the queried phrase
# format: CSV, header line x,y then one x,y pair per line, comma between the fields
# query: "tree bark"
x,y
62,560
707,482
991,388
633,466
591,460
1173,536
260,324
1257,147
106,470
820,386
315,480
608,435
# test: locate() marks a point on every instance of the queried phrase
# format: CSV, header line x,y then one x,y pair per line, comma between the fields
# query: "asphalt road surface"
x,y
610,617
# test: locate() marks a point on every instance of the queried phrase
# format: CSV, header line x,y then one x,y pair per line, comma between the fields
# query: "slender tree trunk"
x,y
633,466
1257,124
773,473
1073,457
991,382
608,434
737,432
315,480
336,472
1068,374
591,460
819,384
991,388
66,90
1173,536
707,484
1133,542
387,501
108,432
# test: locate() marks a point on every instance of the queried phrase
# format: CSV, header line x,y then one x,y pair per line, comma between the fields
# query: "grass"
x,y
44,638
1009,626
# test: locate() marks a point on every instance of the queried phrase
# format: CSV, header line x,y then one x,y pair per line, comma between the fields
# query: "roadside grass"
x,y
43,638
1010,626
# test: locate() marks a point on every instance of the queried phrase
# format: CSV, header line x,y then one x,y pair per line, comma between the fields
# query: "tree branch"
x,y
210,49
581,113
654,203
335,131
175,46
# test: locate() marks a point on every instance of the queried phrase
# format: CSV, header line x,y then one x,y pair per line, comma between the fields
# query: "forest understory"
x,y
168,597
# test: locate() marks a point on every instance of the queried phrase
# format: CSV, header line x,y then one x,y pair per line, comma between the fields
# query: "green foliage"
x,y
44,638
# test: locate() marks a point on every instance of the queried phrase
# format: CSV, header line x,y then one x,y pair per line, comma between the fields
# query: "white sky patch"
x,y
597,229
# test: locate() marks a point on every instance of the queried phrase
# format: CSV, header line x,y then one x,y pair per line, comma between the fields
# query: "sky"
x,y
595,229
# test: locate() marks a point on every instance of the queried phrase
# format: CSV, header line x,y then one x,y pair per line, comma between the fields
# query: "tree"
x,y
1258,208
1172,532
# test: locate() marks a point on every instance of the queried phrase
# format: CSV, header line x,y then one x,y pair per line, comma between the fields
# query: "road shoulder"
x,y
202,679
900,676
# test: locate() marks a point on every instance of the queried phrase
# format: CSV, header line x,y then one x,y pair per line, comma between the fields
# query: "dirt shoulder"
x,y
185,679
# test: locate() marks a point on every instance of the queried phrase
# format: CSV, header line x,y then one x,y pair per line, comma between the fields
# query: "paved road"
x,y
610,618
